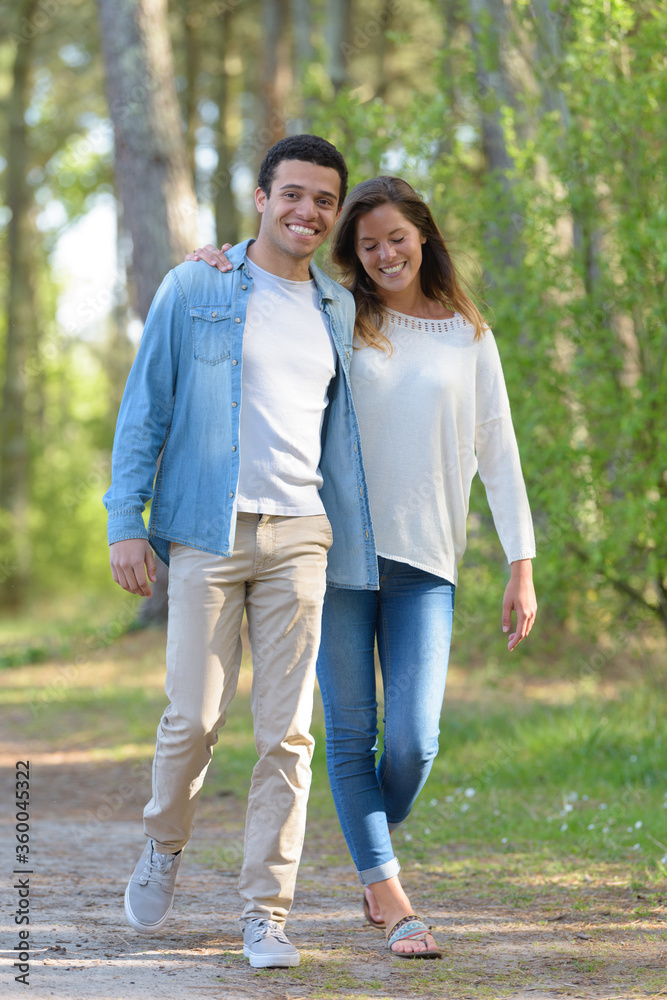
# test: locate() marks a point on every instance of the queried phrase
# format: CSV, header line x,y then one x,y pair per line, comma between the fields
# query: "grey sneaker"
x,y
265,944
150,892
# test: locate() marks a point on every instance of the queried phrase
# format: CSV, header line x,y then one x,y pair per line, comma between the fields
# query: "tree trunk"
x,y
192,20
153,177
21,324
154,181
490,30
338,37
226,211
303,57
276,73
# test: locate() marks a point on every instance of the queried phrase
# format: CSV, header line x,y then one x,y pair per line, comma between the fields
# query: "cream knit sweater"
x,y
431,414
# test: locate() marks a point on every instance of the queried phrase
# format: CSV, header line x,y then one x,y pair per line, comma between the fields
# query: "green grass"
x,y
554,772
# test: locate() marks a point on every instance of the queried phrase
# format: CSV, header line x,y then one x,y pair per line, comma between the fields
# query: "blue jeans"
x,y
411,616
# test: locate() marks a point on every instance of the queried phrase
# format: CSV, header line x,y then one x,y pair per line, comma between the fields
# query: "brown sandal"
x,y
380,924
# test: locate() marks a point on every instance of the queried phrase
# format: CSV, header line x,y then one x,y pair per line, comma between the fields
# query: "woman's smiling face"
x,y
390,250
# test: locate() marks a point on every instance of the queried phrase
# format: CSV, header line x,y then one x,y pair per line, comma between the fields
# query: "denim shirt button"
x,y
237,320
231,496
233,447
235,362
244,288
213,315
234,403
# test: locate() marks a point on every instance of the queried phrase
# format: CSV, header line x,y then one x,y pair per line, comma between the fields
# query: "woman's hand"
x,y
212,256
519,597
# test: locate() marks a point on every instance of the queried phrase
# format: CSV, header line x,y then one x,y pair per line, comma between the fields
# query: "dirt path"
x,y
86,836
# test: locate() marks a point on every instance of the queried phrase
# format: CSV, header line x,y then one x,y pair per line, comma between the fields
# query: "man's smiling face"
x,y
301,209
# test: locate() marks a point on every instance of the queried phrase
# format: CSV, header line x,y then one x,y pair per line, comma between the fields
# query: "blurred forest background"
x,y
132,131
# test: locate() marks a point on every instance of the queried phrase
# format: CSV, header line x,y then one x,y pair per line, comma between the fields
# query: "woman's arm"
x,y
520,598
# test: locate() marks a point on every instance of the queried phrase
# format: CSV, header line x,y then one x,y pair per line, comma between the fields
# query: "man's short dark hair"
x,y
309,149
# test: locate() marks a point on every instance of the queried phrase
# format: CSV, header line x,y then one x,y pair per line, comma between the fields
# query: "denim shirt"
x,y
180,418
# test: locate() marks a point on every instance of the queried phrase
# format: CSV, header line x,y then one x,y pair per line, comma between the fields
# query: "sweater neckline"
x,y
405,322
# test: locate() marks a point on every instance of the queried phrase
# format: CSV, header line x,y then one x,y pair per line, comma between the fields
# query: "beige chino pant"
x,y
277,572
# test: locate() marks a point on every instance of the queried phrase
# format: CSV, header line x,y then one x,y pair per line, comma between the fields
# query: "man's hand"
x,y
132,565
519,597
212,256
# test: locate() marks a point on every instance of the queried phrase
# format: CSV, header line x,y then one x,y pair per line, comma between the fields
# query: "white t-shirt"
x,y
431,414
288,362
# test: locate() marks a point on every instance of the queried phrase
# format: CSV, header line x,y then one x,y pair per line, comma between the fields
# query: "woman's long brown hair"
x,y
439,280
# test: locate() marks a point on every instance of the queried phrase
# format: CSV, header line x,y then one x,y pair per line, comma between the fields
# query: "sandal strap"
x,y
409,927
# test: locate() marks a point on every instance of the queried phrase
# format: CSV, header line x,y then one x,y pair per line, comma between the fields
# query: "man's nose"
x,y
307,209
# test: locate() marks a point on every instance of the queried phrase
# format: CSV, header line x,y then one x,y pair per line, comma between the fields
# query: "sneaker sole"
x,y
277,961
137,924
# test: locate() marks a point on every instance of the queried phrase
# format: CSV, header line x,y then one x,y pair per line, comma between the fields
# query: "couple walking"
x,y
257,384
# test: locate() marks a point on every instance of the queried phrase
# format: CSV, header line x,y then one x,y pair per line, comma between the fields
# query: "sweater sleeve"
x,y
498,456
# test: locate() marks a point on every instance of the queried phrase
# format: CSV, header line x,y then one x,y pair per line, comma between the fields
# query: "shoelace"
x,y
270,927
158,866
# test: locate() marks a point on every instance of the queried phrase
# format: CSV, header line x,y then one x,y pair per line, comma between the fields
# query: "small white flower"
x,y
563,828
571,797
605,829
638,825
634,758
457,791
636,847
407,836
433,802
629,830
603,805
591,826
469,792
568,808
504,841
426,830
562,812
449,798
465,807
584,798
663,860
496,812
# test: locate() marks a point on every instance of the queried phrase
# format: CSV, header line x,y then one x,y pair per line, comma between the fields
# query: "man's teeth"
x,y
302,230
393,270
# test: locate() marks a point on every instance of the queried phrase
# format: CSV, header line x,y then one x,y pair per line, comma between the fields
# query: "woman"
x,y
432,407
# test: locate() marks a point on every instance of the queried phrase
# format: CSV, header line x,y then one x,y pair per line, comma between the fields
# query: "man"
x,y
241,388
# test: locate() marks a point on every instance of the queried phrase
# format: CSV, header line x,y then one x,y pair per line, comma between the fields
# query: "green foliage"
x,y
570,240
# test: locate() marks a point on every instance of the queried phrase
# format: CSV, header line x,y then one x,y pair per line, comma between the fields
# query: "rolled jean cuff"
x,y
381,873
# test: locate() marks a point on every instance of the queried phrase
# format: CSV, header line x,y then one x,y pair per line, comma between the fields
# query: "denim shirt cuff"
x,y
126,524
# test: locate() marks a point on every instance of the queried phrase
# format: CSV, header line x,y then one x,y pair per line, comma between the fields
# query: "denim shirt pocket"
x,y
211,333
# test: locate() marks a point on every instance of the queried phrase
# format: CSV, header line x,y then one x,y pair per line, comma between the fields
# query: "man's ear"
x,y
260,200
